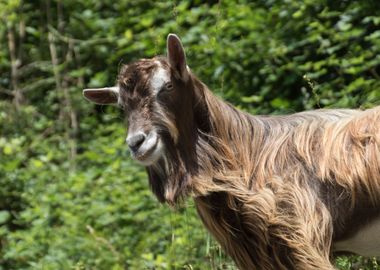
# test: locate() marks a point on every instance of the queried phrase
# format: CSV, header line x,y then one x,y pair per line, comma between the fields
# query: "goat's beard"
x,y
170,177
169,181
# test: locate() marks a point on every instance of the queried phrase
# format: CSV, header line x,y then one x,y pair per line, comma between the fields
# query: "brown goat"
x,y
277,192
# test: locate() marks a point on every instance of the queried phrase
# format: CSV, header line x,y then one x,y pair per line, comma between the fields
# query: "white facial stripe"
x,y
159,78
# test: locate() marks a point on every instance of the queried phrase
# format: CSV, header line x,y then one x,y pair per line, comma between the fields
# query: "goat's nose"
x,y
135,141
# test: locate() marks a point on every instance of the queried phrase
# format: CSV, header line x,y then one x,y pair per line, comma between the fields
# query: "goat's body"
x,y
287,188
366,241
277,192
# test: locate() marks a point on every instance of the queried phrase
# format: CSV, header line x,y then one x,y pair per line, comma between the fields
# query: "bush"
x,y
71,198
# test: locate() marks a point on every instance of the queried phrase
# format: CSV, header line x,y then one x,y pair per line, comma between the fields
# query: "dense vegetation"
x,y
70,196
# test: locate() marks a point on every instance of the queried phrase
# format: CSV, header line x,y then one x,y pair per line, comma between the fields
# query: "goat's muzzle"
x,y
145,148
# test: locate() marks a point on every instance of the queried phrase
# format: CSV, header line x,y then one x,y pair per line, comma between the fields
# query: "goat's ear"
x,y
176,56
107,95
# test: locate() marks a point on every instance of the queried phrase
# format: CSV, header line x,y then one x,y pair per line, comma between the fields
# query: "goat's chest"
x,y
227,221
220,217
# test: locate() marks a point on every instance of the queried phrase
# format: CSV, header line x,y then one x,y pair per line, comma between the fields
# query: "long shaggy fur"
x,y
275,191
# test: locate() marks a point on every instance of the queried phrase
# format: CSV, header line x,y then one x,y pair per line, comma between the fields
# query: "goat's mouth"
x,y
150,151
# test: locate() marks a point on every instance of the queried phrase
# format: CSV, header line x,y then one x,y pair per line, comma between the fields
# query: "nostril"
x,y
135,141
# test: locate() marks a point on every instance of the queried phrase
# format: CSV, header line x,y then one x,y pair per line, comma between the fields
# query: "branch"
x,y
6,91
17,96
67,39
21,39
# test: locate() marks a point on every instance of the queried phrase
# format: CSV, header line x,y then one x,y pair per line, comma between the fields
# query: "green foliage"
x,y
70,196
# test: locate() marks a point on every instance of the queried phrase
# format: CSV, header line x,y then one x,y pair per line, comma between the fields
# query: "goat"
x,y
277,192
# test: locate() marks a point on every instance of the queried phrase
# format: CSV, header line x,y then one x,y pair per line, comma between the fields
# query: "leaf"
x,y
4,216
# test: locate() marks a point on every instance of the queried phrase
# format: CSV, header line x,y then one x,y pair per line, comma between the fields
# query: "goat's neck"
x,y
224,148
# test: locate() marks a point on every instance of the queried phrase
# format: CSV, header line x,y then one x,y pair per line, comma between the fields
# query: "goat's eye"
x,y
166,89
168,86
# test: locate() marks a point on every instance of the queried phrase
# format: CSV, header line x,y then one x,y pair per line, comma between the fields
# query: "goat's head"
x,y
160,99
